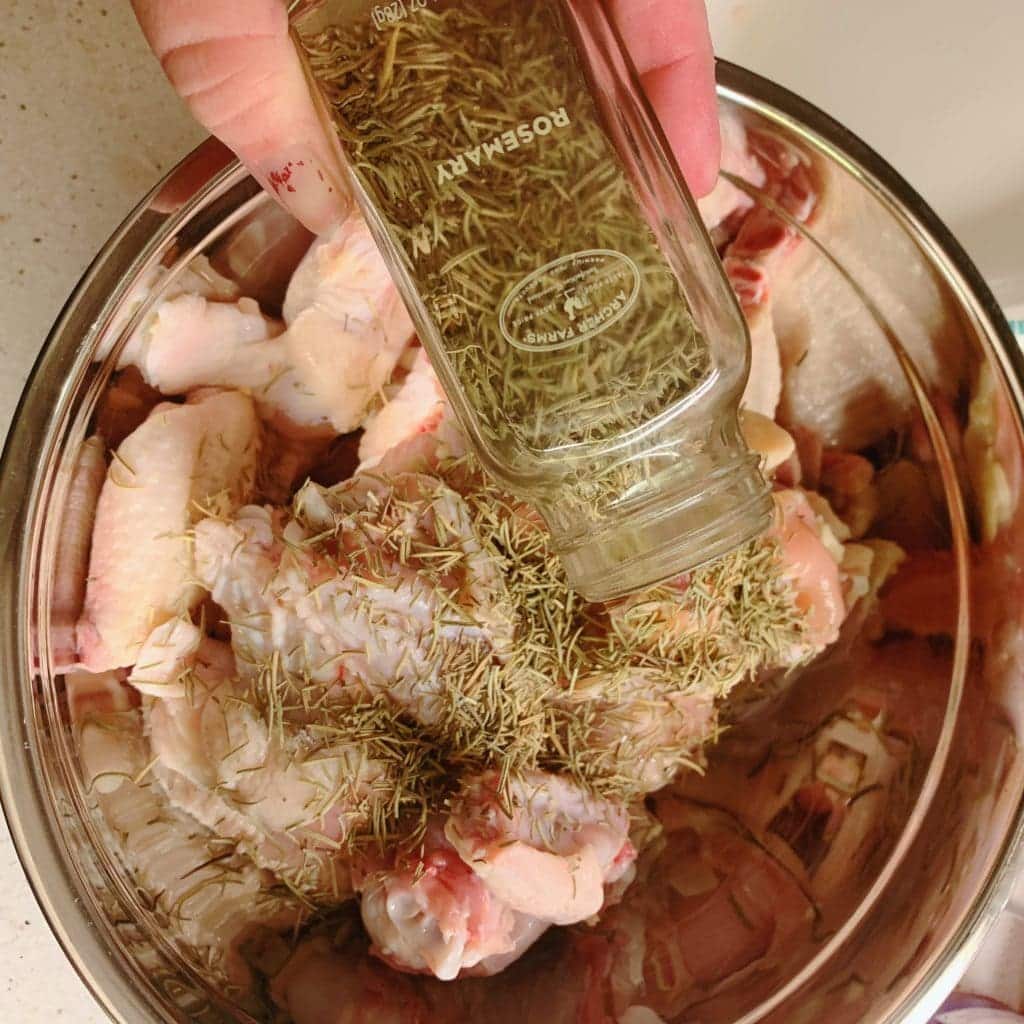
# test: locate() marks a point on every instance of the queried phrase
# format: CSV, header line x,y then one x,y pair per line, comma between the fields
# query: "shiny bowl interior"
x,y
889,938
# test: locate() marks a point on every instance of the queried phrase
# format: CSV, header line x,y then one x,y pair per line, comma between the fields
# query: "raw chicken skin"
x,y
357,612
487,885
434,915
287,799
642,728
842,380
552,858
165,658
342,263
183,457
190,342
197,279
347,329
418,416
211,895
73,551
811,557
761,246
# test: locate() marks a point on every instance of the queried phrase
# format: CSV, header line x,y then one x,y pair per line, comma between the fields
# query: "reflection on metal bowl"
x,y
857,826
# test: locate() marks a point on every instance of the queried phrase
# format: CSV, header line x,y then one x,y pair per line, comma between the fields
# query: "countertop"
x,y
87,125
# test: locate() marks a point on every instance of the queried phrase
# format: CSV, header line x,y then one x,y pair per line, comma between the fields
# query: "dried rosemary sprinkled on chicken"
x,y
439,637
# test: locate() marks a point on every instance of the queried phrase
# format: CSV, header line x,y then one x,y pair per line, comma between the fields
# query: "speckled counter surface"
x,y
87,125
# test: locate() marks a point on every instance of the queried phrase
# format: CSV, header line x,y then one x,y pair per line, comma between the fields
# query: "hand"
x,y
234,64
670,45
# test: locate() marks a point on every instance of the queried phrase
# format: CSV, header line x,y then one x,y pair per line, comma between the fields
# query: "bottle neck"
x,y
614,541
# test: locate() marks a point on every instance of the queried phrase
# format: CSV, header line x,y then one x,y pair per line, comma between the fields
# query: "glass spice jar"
x,y
556,269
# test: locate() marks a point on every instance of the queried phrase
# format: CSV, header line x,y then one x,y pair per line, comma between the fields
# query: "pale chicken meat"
x,y
416,417
811,558
191,342
73,545
211,895
360,606
288,799
641,726
488,884
842,380
198,279
547,848
346,330
848,482
201,455
166,659
433,914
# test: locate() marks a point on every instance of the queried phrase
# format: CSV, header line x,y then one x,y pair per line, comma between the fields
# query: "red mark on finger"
x,y
282,179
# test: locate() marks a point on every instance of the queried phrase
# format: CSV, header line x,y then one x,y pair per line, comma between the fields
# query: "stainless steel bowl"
x,y
893,937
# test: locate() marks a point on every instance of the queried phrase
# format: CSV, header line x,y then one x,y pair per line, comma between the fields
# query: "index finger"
x,y
670,45
234,64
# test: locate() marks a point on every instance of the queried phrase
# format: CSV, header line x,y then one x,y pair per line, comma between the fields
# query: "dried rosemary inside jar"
x,y
508,166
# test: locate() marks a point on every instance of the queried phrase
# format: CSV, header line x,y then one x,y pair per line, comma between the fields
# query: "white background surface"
x,y
87,125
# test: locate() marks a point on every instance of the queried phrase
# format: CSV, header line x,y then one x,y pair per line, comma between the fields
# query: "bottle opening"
x,y
676,535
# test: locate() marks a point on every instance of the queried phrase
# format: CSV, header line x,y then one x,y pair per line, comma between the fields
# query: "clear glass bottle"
x,y
556,268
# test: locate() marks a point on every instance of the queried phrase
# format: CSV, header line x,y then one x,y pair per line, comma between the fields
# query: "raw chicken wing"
x,y
432,914
811,557
415,429
288,799
347,328
553,855
183,458
842,380
640,726
210,893
368,603
191,342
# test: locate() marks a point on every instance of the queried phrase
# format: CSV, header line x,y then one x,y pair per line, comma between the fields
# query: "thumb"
x,y
234,64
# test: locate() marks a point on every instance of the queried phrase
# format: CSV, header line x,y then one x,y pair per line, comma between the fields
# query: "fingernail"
x,y
312,191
